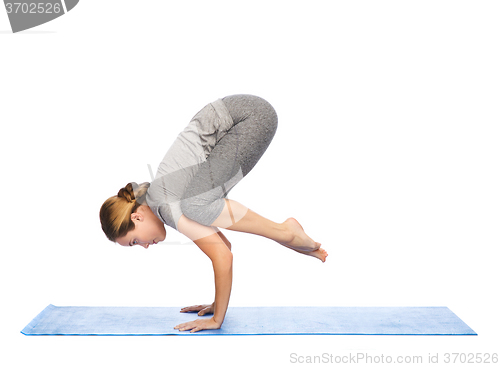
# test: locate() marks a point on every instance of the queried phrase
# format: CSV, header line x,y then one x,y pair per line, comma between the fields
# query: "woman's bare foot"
x,y
301,242
319,253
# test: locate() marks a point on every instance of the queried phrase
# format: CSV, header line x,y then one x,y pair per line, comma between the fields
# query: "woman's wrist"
x,y
218,323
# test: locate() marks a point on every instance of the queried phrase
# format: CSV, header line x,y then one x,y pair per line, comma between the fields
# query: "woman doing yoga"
x,y
220,145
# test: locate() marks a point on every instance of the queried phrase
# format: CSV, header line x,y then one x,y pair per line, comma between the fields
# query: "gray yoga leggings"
x,y
234,155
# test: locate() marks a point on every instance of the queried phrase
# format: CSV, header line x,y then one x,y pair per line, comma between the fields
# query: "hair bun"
x,y
134,192
127,192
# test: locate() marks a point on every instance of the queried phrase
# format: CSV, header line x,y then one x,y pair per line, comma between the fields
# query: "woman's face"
x,y
148,229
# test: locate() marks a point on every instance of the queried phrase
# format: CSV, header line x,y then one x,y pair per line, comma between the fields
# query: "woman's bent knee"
x,y
201,211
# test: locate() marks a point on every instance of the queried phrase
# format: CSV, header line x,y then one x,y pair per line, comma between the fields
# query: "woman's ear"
x,y
137,216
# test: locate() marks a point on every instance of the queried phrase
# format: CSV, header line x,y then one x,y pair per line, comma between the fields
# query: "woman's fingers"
x,y
205,311
189,309
195,308
182,326
197,325
186,326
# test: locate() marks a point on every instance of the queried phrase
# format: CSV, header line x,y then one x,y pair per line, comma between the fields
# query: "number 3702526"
x,y
33,8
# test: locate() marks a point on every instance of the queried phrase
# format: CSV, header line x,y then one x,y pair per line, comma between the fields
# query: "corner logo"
x,y
28,14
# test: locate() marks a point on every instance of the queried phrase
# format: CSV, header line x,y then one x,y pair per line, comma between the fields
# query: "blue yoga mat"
x,y
250,321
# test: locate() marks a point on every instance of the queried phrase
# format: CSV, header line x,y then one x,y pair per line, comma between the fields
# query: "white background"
x,y
387,152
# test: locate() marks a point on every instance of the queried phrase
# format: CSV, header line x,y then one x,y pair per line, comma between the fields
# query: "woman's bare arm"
x,y
206,309
209,241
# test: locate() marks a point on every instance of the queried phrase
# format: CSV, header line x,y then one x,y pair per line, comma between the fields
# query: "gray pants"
x,y
234,155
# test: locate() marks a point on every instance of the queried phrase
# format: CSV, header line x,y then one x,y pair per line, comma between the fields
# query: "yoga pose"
x,y
220,145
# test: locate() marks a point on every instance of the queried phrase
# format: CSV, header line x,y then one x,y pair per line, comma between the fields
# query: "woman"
x,y
220,145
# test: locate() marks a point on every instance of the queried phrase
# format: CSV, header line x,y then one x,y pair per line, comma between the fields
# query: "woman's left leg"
x,y
289,233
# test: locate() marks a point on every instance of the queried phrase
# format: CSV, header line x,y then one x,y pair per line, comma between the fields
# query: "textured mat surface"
x,y
250,321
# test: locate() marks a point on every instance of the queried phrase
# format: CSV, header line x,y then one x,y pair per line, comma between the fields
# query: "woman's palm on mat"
x,y
201,309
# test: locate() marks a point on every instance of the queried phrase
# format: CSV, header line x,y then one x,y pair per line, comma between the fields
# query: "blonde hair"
x,y
116,211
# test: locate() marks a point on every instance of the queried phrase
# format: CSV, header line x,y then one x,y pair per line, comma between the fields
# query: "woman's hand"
x,y
197,325
201,309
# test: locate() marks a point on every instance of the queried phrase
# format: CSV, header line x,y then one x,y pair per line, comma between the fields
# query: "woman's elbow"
x,y
228,258
224,261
